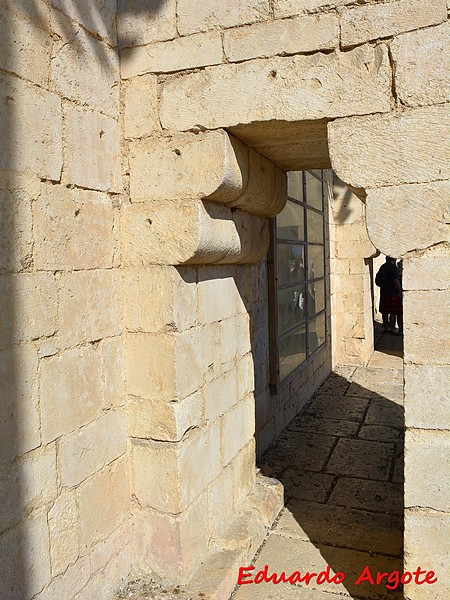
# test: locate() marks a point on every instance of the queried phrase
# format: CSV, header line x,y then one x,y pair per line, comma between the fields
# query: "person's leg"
x,y
385,321
400,322
392,322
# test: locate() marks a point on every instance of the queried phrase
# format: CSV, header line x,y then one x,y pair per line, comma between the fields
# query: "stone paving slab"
x,y
315,487
377,496
314,424
387,392
342,526
381,360
329,407
361,458
379,433
385,413
306,451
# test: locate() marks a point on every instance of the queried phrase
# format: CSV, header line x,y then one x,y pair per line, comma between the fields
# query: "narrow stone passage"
x,y
341,463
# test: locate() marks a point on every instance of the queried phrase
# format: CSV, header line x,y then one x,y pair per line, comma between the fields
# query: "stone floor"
x,y
341,464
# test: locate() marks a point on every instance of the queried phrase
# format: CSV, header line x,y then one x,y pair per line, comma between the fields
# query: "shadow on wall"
x,y
19,419
341,464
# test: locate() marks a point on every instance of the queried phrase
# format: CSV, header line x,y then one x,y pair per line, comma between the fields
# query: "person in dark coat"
x,y
389,281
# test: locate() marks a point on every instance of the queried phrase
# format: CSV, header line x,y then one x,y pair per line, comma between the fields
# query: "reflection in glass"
x,y
292,351
290,222
316,297
313,191
295,185
316,335
291,307
290,263
315,262
315,227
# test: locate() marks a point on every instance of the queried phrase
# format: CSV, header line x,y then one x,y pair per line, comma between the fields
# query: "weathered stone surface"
x,y
427,542
360,458
87,450
416,83
76,76
427,270
199,50
113,372
142,21
92,158
96,296
218,294
63,523
305,34
160,298
221,395
97,517
422,383
168,477
371,22
32,119
68,583
213,15
159,420
289,8
253,91
238,426
73,229
408,147
70,391
24,46
426,208
141,106
98,19
377,496
349,409
425,329
164,366
307,486
427,469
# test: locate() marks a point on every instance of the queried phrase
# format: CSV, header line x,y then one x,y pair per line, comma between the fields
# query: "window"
x,y
297,288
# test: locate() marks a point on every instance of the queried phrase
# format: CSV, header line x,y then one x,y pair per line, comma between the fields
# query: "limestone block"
x,y
354,250
63,523
25,549
426,396
235,337
95,296
168,477
244,473
416,83
113,372
238,427
70,391
427,543
87,450
72,229
74,75
199,50
19,425
27,485
141,22
370,22
164,421
171,545
221,395
33,313
25,46
98,19
104,584
221,511
68,583
246,375
31,118
160,298
229,13
427,469
92,157
379,150
191,232
103,501
141,106
426,327
164,366
116,544
425,207
289,8
304,34
427,270
218,294
254,92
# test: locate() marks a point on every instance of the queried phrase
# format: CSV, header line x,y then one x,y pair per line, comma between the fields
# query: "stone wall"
x,y
64,493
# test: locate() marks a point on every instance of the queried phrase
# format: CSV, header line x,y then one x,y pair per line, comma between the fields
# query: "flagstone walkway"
x,y
341,463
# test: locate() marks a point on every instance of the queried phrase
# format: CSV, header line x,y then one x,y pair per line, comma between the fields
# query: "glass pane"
x,y
292,349
313,191
315,262
290,263
316,297
315,227
290,222
291,307
295,185
316,333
